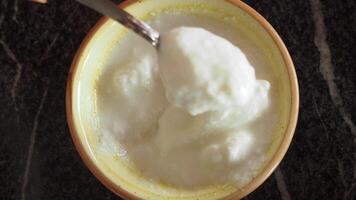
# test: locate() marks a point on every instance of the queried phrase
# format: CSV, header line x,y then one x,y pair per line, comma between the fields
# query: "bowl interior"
x,y
120,175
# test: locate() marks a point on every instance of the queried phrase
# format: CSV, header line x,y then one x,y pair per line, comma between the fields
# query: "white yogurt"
x,y
196,115
204,72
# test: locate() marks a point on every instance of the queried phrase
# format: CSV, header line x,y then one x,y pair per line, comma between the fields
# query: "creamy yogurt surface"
x,y
192,114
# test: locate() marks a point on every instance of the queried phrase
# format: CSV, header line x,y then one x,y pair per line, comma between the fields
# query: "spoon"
x,y
110,9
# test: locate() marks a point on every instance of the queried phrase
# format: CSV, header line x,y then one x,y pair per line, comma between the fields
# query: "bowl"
x,y
120,176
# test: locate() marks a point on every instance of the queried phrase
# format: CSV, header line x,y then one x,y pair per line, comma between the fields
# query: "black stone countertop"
x,y
39,162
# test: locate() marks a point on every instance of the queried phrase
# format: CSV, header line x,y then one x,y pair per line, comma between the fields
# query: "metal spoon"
x,y
110,9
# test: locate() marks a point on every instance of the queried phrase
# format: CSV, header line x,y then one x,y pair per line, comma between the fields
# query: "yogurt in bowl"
x,y
183,123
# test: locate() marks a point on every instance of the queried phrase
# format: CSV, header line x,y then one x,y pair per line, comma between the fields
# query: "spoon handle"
x,y
111,10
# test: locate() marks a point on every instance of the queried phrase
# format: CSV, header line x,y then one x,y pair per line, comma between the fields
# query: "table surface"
x,y
39,162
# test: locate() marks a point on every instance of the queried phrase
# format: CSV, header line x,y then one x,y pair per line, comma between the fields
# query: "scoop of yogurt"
x,y
204,72
213,92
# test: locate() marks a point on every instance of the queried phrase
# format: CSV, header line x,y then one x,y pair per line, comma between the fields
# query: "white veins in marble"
x,y
320,117
16,9
17,76
327,70
281,184
326,67
32,144
49,47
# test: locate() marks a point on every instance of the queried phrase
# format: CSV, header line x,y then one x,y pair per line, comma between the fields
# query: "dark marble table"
x,y
39,162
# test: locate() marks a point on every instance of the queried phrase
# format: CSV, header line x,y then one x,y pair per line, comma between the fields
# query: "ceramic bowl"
x,y
120,176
